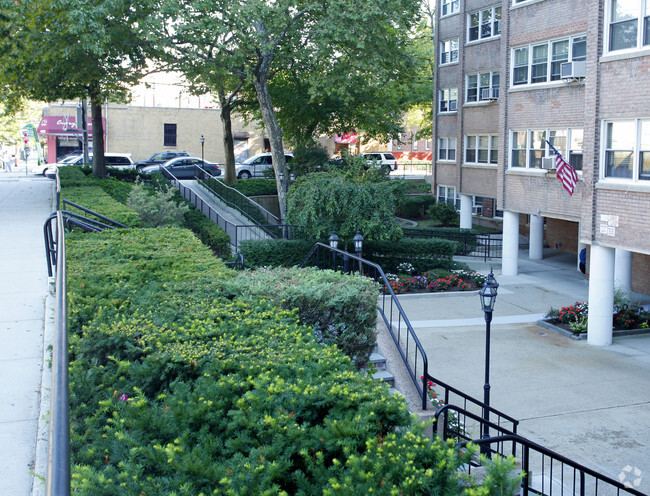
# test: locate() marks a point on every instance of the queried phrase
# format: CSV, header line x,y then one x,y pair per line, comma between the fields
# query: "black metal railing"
x,y
412,353
545,472
469,244
240,202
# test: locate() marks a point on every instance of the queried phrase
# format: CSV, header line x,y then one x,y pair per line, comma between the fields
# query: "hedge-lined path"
x,y
589,403
25,203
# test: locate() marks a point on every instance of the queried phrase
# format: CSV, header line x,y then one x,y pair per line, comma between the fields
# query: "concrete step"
x,y
378,360
384,375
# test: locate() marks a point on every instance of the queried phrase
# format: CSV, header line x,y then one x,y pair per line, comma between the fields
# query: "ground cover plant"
x,y
178,387
434,281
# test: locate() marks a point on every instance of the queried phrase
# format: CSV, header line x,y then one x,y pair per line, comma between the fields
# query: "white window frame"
x,y
491,149
494,24
639,143
569,150
448,99
494,80
449,7
445,146
426,144
449,51
548,64
642,19
449,195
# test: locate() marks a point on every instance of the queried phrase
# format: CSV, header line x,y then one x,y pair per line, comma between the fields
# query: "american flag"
x,y
564,171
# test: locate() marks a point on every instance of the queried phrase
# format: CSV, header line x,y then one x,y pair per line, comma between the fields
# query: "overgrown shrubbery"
x,y
157,208
341,310
414,206
444,213
256,187
178,389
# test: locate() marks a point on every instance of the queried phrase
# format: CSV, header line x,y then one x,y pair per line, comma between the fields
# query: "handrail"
x,y
88,211
58,459
484,245
412,358
239,201
526,447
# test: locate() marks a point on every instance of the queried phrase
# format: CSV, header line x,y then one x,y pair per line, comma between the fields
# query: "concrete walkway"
x,y
25,203
588,403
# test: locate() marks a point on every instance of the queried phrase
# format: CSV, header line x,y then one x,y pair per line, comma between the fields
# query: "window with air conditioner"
x,y
482,86
528,149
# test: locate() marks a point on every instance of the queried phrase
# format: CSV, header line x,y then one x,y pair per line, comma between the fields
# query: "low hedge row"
x,y
341,310
177,387
96,199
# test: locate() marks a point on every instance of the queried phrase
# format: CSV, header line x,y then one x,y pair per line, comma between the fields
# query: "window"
x,y
528,148
484,24
449,51
447,149
628,24
447,194
481,149
483,86
426,144
541,63
448,100
449,7
627,150
169,138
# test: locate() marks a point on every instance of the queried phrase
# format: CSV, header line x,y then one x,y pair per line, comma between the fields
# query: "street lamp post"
x,y
488,295
202,146
334,244
358,247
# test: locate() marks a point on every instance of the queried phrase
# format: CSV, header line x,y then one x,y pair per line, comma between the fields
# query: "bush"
x,y
255,187
414,206
95,199
422,254
156,208
444,213
208,232
176,389
341,309
308,158
275,252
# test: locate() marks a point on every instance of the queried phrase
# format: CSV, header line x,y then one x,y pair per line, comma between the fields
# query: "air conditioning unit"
x,y
548,163
489,93
453,106
573,70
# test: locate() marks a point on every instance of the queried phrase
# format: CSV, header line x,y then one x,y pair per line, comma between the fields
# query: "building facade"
x,y
516,76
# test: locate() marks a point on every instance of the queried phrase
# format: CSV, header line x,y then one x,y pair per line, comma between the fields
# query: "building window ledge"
x,y
480,166
524,4
537,86
525,171
640,187
625,54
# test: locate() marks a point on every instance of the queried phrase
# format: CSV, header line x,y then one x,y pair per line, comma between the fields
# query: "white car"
x,y
257,164
114,160
381,159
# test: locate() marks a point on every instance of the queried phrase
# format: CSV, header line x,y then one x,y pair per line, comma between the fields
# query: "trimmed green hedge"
x,y
341,309
256,187
178,389
274,252
423,254
97,200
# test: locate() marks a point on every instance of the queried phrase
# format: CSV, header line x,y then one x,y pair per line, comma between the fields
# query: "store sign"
x,y
62,124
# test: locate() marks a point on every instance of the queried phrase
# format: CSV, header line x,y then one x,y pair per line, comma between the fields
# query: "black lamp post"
x,y
488,295
358,247
202,145
334,240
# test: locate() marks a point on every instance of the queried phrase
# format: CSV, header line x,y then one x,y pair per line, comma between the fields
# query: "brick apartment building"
x,y
512,74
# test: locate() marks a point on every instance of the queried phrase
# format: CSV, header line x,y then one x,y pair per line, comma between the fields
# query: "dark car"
x,y
184,167
160,158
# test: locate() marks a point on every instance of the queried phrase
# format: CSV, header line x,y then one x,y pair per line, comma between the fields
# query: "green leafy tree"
x,y
263,39
345,202
53,50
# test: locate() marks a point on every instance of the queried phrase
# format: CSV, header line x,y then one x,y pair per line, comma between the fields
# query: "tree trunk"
x,y
99,166
275,137
228,141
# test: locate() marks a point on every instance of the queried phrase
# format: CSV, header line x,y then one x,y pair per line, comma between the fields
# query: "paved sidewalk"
x,y
25,203
589,403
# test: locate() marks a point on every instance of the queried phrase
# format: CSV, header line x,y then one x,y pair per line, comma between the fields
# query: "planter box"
x,y
564,332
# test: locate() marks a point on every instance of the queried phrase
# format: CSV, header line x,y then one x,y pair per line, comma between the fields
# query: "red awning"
x,y
65,125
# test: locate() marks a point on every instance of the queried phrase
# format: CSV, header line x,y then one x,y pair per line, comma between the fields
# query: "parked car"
x,y
257,164
381,159
183,167
160,158
115,160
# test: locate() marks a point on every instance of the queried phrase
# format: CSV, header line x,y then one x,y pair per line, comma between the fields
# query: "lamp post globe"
x,y
334,240
202,145
358,242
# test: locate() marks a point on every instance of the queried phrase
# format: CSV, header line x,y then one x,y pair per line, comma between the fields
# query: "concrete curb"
x,y
583,336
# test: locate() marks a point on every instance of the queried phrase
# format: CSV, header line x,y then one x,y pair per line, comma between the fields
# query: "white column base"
x,y
601,296
623,270
536,239
510,253
465,211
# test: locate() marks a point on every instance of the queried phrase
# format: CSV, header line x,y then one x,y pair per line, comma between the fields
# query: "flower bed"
x,y
434,281
574,317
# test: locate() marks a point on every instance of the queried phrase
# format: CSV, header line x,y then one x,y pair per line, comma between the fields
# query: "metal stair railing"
x,y
545,472
470,244
412,353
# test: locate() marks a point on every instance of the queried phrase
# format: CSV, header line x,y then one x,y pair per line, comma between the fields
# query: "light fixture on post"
x,y
334,244
358,247
488,295
202,146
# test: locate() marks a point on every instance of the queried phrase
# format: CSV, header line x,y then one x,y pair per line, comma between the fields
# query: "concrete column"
x,y
536,240
601,296
465,211
510,254
623,270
